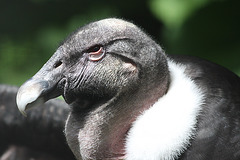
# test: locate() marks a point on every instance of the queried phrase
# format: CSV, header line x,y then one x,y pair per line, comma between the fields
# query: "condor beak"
x,y
44,85
35,92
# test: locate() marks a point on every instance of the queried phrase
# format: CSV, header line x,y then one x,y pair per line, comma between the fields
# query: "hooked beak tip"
x,y
23,113
28,96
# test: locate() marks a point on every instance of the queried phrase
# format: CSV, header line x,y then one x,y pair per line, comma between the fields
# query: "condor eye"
x,y
96,53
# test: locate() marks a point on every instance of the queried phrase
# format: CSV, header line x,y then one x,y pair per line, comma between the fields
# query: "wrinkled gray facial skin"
x,y
101,70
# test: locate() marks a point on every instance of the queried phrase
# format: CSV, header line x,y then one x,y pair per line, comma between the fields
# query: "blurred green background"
x,y
31,30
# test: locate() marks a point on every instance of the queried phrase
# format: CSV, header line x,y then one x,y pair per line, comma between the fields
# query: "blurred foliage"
x,y
211,32
173,13
31,30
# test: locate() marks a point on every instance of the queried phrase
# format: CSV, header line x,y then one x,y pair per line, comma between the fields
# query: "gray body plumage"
x,y
39,136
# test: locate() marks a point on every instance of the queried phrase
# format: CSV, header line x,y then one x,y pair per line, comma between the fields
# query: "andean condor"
x,y
129,100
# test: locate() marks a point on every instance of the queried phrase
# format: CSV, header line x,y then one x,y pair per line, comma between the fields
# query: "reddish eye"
x,y
96,53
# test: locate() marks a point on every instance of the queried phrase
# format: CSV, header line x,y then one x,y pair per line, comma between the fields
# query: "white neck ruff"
x,y
163,132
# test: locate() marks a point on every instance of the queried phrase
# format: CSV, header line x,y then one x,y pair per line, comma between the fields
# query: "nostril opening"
x,y
57,64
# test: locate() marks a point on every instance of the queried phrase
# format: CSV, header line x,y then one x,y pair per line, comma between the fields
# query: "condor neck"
x,y
102,131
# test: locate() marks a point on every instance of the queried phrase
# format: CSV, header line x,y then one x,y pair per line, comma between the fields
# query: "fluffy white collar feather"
x,y
164,131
